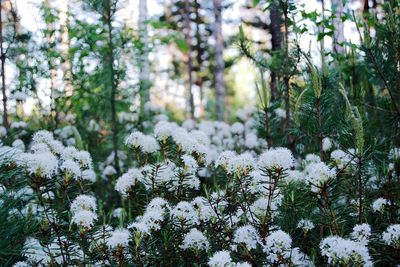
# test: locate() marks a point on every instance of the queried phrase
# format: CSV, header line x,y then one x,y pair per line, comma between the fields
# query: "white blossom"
x,y
326,144
317,174
391,236
195,240
379,204
361,233
340,251
276,158
118,238
246,235
221,259
185,213
127,180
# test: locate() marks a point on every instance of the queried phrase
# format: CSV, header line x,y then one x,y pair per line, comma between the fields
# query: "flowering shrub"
x,y
198,194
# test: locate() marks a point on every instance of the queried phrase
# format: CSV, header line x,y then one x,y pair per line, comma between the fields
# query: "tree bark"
x,y
199,57
276,40
3,75
144,72
338,36
112,85
219,58
188,39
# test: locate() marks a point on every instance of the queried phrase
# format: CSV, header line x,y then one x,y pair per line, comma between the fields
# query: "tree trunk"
x,y
219,58
338,36
112,85
199,57
286,79
276,40
144,72
65,46
3,74
188,39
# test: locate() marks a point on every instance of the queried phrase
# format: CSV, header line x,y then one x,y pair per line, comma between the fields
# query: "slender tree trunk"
x,y
276,40
219,58
188,39
144,72
65,46
112,84
338,36
3,74
12,8
199,56
286,78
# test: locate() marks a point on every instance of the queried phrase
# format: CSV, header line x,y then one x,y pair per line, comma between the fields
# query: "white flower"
x,y
294,176
220,259
361,233
149,145
84,202
201,137
164,129
277,245
159,205
237,128
18,125
305,225
242,114
326,144
341,158
195,240
190,163
189,124
280,113
185,213
84,218
118,238
42,164
109,171
3,131
89,175
127,180
185,142
246,235
379,204
317,174
312,158
69,152
251,141
134,140
241,164
340,251
72,169
224,159
56,147
40,148
140,226
19,144
391,236
84,159
42,136
276,158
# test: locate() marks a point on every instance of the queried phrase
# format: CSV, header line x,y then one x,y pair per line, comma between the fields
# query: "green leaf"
x,y
182,45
